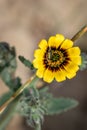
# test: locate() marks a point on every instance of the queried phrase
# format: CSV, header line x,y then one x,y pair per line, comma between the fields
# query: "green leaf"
x,y
26,62
83,65
7,57
5,76
12,83
5,97
54,105
8,65
59,105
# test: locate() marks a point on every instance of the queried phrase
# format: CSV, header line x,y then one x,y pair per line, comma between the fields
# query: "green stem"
x,y
79,34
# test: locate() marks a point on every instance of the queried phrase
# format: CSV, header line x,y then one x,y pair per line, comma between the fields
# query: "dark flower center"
x,y
55,58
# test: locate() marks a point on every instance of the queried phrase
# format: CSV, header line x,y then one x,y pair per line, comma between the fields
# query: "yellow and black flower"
x,y
56,59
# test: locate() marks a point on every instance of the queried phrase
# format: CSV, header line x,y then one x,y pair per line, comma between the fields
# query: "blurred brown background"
x,y
23,23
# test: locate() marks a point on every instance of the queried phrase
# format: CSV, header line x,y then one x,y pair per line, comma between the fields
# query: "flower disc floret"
x,y
56,59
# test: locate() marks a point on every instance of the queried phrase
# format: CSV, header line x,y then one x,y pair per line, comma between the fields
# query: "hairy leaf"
x,y
8,65
26,62
59,105
5,97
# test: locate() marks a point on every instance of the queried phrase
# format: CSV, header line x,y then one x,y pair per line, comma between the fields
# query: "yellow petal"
x,y
43,44
70,75
60,76
48,76
51,41
76,60
59,39
71,68
39,53
55,41
67,44
37,63
40,72
75,51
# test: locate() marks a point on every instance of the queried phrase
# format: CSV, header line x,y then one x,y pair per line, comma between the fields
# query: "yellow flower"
x,y
56,59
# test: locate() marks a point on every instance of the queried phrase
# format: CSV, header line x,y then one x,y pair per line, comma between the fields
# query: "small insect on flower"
x,y
49,53
56,59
